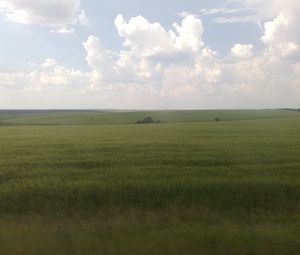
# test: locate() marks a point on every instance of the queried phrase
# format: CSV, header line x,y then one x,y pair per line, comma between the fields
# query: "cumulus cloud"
x,y
242,50
99,59
60,15
152,41
177,66
47,75
149,50
281,34
167,63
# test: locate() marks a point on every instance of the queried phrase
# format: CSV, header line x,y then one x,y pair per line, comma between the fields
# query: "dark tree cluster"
x,y
291,109
147,120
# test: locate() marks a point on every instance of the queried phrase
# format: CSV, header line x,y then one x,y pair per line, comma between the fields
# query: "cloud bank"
x,y
175,68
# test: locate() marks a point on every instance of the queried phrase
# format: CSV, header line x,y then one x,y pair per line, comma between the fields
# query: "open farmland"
x,y
187,186
89,117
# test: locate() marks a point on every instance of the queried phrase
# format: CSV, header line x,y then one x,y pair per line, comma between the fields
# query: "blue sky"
x,y
130,54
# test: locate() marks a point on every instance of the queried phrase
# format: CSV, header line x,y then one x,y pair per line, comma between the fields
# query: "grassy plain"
x,y
229,187
74,117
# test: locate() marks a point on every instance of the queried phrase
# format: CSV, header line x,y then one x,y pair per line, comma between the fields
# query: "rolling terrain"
x,y
94,117
71,185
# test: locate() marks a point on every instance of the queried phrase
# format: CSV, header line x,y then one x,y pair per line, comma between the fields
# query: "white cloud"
x,y
281,34
224,10
99,59
60,15
49,62
150,49
242,50
48,75
235,19
246,11
82,18
165,67
190,34
169,62
178,64
227,14
269,9
152,41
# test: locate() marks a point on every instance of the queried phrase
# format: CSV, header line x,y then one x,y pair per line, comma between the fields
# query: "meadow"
x,y
95,183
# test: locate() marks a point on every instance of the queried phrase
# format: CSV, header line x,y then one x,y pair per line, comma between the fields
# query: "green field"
x,y
94,183
129,117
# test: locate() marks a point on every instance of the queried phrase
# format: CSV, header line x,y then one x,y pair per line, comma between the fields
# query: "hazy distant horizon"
x,y
144,110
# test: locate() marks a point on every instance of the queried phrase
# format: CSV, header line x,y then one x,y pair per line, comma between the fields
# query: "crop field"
x,y
94,183
76,117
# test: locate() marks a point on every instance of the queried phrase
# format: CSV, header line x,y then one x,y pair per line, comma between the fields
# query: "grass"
x,y
130,117
173,188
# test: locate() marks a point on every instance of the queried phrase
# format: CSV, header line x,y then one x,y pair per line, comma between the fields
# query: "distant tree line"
x,y
291,109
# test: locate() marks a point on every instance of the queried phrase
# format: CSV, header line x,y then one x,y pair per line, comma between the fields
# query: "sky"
x,y
138,54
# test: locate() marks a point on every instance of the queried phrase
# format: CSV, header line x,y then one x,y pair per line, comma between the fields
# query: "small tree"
x,y
147,120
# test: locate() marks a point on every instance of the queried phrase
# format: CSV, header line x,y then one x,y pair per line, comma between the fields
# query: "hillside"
x,y
87,117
